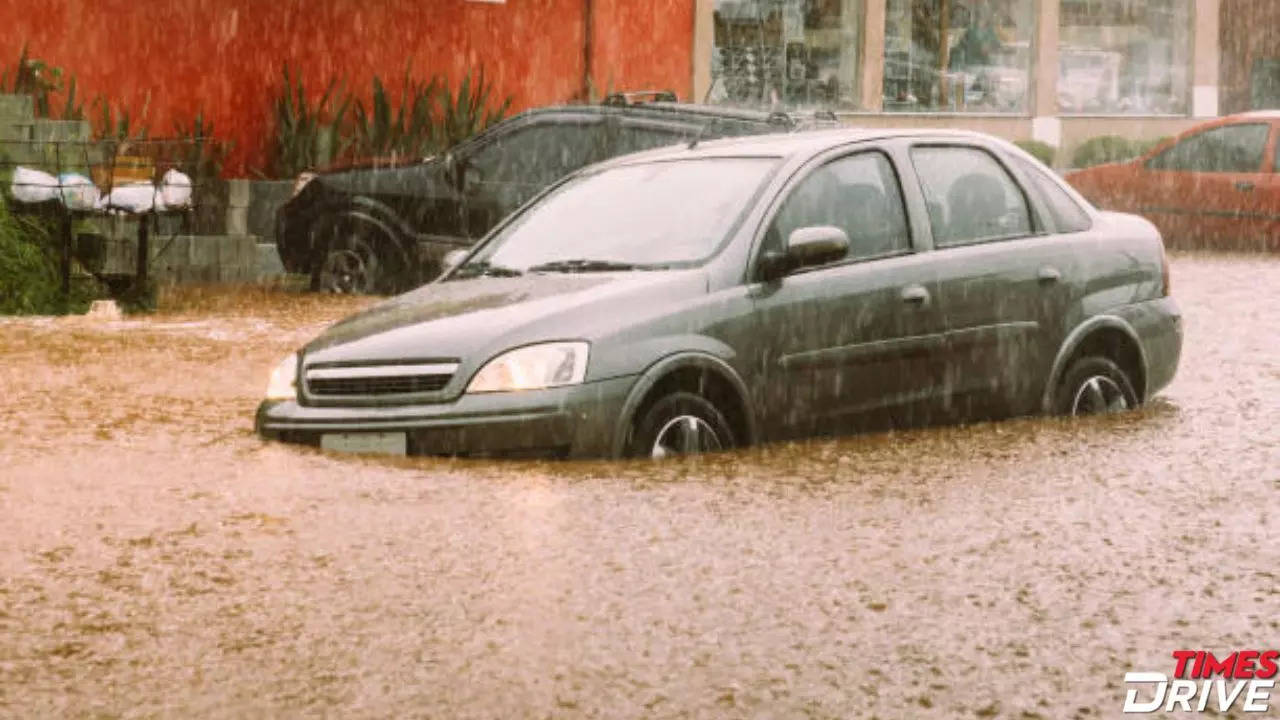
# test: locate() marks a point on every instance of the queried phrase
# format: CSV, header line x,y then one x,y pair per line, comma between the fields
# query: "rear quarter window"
x,y
1064,211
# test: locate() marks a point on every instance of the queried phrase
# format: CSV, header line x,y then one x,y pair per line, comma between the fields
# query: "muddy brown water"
x,y
158,560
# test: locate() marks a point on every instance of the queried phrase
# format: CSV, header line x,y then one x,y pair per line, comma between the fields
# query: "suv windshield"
x,y
633,217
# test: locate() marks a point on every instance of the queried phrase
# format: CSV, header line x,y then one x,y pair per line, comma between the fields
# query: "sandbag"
x,y
78,192
175,190
137,197
33,186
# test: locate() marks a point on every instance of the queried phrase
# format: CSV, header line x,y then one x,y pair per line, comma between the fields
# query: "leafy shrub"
x,y
468,111
305,132
1042,151
1142,147
429,117
409,130
30,282
1103,149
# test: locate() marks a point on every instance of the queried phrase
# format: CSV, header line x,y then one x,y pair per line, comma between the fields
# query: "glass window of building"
x,y
1124,56
958,55
786,53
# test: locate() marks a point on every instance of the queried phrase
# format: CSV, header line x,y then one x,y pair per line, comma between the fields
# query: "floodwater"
x,y
158,560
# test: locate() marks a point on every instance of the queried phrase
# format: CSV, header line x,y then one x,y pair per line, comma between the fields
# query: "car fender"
x,y
1073,341
660,369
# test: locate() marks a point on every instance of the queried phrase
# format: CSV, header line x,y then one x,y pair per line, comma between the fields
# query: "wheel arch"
x,y
366,210
702,373
1106,335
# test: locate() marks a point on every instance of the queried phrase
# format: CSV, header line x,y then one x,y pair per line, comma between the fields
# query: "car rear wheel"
x,y
681,423
1095,385
357,257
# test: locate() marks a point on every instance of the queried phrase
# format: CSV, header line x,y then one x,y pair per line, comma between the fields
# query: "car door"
x,y
856,335
1003,278
1202,190
508,171
1267,199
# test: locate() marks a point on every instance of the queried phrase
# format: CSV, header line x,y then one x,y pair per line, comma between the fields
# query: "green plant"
x,y
34,77
468,111
1042,151
410,130
1104,149
30,282
205,155
1142,147
306,135
120,124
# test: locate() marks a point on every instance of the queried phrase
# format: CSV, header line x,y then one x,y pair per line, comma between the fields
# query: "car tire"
x,y
1094,385
681,423
354,256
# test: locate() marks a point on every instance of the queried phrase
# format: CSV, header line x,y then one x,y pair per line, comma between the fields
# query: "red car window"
x,y
1229,148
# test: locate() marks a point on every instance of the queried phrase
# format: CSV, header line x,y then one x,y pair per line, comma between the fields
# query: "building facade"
x,y
1057,71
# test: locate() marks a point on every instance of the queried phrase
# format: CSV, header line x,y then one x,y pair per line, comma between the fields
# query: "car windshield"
x,y
633,217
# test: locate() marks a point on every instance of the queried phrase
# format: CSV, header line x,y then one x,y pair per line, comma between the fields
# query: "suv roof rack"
x,y
622,99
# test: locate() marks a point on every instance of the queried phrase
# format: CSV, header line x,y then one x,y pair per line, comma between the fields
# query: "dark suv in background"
x,y
387,229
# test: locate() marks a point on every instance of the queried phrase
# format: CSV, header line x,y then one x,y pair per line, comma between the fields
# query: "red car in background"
x,y
1214,186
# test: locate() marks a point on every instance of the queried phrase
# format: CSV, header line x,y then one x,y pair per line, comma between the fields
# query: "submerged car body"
x,y
753,290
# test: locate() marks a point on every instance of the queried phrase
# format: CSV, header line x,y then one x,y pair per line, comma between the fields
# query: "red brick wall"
x,y
225,56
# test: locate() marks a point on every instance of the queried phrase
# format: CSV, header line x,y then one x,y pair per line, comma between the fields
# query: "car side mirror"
x,y
452,258
807,246
816,245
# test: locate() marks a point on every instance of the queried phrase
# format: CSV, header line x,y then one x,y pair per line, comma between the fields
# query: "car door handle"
x,y
1049,274
915,295
1245,186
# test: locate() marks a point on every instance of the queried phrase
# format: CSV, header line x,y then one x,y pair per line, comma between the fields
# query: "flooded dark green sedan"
x,y
705,297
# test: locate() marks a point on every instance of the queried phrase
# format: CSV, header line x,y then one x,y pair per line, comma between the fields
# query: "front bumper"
x,y
575,421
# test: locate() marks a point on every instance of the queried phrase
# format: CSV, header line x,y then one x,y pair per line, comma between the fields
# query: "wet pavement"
x,y
157,559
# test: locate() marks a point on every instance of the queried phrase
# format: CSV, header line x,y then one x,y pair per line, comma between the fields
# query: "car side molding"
x,y
672,363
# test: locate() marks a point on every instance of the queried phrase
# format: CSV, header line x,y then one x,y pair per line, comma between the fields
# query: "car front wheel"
x,y
1095,385
358,258
681,423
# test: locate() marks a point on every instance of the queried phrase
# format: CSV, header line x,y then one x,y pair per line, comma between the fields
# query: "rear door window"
x,y
971,197
1228,149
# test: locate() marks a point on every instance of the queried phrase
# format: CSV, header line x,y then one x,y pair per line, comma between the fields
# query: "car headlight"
x,y
283,384
533,367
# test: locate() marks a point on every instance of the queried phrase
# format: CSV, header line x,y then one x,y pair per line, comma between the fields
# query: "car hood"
x,y
462,319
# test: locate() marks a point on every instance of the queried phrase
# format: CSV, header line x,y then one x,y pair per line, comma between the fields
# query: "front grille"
x,y
375,380
380,386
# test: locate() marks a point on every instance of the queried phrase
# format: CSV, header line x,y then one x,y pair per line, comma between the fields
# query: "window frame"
x,y
1035,215
803,173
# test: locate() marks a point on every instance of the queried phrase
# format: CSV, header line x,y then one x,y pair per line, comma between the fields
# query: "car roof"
x,y
691,113
1259,115
791,144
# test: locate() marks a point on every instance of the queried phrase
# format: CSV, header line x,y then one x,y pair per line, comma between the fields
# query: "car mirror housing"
x,y
816,245
453,258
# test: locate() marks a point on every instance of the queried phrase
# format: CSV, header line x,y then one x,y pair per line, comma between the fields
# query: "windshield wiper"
x,y
483,267
583,265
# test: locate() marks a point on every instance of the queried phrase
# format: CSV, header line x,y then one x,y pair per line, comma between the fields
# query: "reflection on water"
x,y
157,558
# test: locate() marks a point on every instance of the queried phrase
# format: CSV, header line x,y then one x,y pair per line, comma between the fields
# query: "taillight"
x,y
1164,273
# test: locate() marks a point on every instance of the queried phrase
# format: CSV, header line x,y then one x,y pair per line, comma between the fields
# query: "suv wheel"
x,y
1095,385
681,423
356,258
